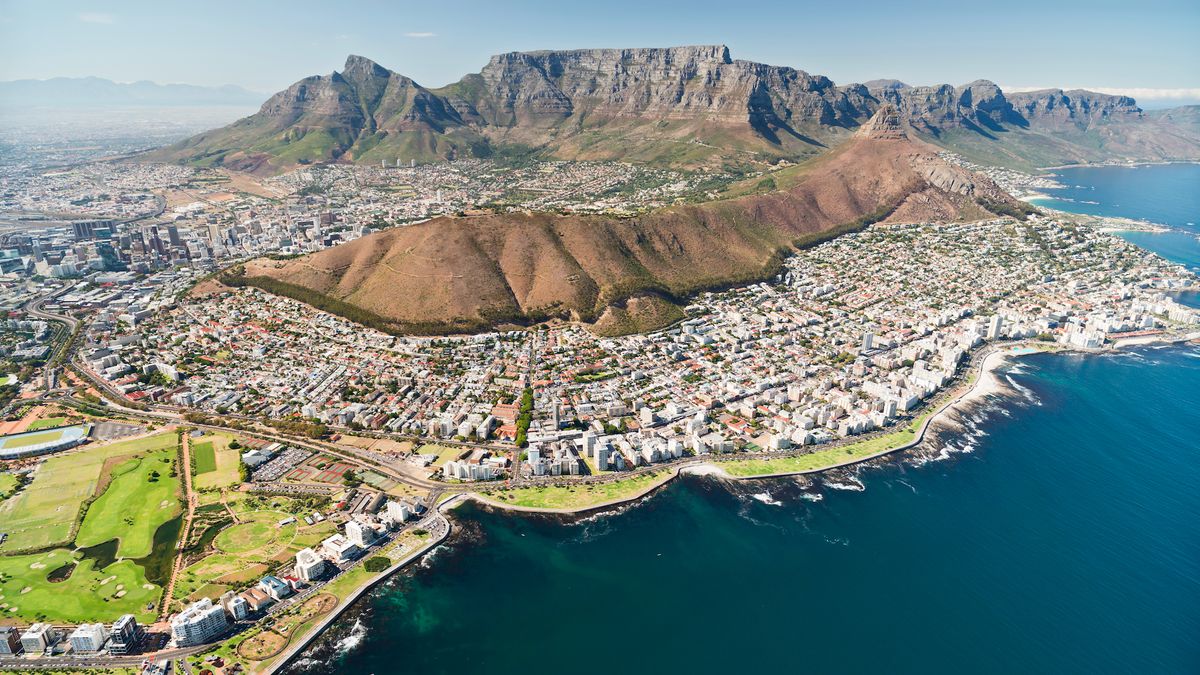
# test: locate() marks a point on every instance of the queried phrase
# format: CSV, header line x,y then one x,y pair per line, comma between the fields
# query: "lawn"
x,y
48,423
246,537
445,453
824,459
86,595
223,469
142,495
8,483
205,457
44,513
244,550
579,496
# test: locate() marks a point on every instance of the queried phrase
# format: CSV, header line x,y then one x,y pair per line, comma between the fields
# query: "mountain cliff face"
x,y
622,275
681,106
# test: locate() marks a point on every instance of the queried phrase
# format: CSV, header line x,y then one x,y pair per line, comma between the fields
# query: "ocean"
x,y
1165,194
1053,530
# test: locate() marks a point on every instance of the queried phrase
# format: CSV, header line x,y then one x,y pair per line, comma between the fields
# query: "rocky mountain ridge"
x,y
689,107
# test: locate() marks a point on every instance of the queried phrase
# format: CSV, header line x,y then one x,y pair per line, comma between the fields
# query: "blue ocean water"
x,y
1068,540
1166,194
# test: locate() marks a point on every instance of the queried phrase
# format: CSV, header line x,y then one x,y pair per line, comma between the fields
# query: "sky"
x,y
1148,46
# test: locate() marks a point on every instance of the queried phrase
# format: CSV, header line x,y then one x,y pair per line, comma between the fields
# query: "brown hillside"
x,y
455,274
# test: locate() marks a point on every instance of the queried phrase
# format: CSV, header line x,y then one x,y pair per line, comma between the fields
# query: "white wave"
x,y
909,485
1025,392
765,498
812,496
854,485
358,633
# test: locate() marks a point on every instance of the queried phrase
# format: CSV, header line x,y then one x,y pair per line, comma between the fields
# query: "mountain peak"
x,y
356,65
883,125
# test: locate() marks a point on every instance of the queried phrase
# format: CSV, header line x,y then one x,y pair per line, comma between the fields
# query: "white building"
x,y
236,605
38,638
199,623
309,565
88,638
339,549
398,512
359,534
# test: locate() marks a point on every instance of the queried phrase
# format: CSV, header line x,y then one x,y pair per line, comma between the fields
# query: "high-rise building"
x,y
995,326
398,511
88,638
359,534
199,623
236,605
126,636
10,641
309,565
38,638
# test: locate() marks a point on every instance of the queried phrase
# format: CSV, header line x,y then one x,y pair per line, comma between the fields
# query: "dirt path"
x,y
225,503
185,532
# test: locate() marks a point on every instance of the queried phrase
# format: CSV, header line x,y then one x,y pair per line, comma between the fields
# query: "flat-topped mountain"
x,y
455,274
680,106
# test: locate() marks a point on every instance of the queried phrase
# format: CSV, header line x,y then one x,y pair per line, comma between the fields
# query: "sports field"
x,y
44,512
205,457
87,594
27,439
216,463
142,495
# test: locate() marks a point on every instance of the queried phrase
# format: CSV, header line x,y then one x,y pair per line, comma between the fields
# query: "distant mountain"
x,y
679,106
626,274
77,92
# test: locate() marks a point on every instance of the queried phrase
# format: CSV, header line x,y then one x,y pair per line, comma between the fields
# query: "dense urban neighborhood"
x,y
282,458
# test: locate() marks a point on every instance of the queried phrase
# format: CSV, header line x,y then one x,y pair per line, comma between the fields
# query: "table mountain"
x,y
687,107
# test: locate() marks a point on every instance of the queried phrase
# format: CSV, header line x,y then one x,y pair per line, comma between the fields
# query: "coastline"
x,y
982,382
1130,165
301,642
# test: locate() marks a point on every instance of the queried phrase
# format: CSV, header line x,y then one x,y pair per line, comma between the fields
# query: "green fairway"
x,y
48,423
143,495
205,457
44,513
86,595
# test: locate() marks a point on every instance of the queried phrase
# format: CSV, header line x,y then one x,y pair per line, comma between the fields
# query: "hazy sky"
x,y
1144,44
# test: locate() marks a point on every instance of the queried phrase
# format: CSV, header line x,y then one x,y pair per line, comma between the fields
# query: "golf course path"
x,y
185,469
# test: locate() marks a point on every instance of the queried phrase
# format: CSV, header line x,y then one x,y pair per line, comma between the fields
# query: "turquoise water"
x,y
1167,194
1066,540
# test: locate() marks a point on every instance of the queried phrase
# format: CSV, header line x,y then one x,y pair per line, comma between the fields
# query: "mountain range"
x,y
91,92
687,107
